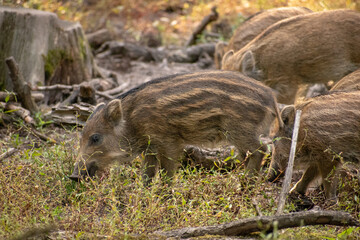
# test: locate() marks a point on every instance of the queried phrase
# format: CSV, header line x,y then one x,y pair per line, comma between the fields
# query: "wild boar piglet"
x,y
163,116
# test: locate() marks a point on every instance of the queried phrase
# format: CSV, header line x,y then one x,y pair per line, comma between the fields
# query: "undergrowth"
x,y
174,20
36,195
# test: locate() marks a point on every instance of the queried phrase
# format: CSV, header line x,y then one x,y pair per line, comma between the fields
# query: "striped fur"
x,y
305,49
161,117
253,26
329,128
350,82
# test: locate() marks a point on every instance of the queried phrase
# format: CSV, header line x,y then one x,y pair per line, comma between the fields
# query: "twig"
x,y
55,87
20,86
7,154
289,169
266,223
104,95
118,89
42,136
256,206
208,19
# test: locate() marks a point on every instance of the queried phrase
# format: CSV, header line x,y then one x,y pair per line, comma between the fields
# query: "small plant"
x,y
40,122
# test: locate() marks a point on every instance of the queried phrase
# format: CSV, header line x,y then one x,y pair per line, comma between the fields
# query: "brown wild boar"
x,y
329,135
161,117
253,26
220,49
350,82
305,49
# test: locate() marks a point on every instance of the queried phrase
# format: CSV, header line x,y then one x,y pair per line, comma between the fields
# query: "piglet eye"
x,y
95,138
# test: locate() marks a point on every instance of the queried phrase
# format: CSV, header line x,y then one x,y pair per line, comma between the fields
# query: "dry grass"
x,y
36,194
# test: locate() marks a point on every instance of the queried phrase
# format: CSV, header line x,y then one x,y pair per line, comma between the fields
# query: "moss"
x,y
53,60
84,48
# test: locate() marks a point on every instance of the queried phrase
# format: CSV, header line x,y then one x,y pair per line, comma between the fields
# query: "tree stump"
x,y
47,49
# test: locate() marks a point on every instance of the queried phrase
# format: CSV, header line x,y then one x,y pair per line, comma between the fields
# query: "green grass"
x,y
36,193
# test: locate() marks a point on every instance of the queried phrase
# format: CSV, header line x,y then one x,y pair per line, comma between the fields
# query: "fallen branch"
x,y
7,154
42,136
75,114
289,169
11,96
213,16
20,86
55,87
105,95
118,89
266,223
19,111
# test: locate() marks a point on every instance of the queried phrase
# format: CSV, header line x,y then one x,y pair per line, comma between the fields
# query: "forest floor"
x,y
39,200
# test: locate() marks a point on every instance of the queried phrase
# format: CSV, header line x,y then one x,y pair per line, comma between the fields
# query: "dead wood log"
x,y
21,87
125,50
192,54
213,16
96,39
266,223
289,170
75,114
19,111
10,96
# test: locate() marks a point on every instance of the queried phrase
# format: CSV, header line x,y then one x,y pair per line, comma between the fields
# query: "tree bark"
x,y
47,49
267,223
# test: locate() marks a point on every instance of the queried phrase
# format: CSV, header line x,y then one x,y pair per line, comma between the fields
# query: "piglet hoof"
x,y
301,201
74,178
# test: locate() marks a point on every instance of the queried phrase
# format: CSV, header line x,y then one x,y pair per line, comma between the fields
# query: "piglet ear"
x,y
97,109
113,112
247,64
226,61
288,115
